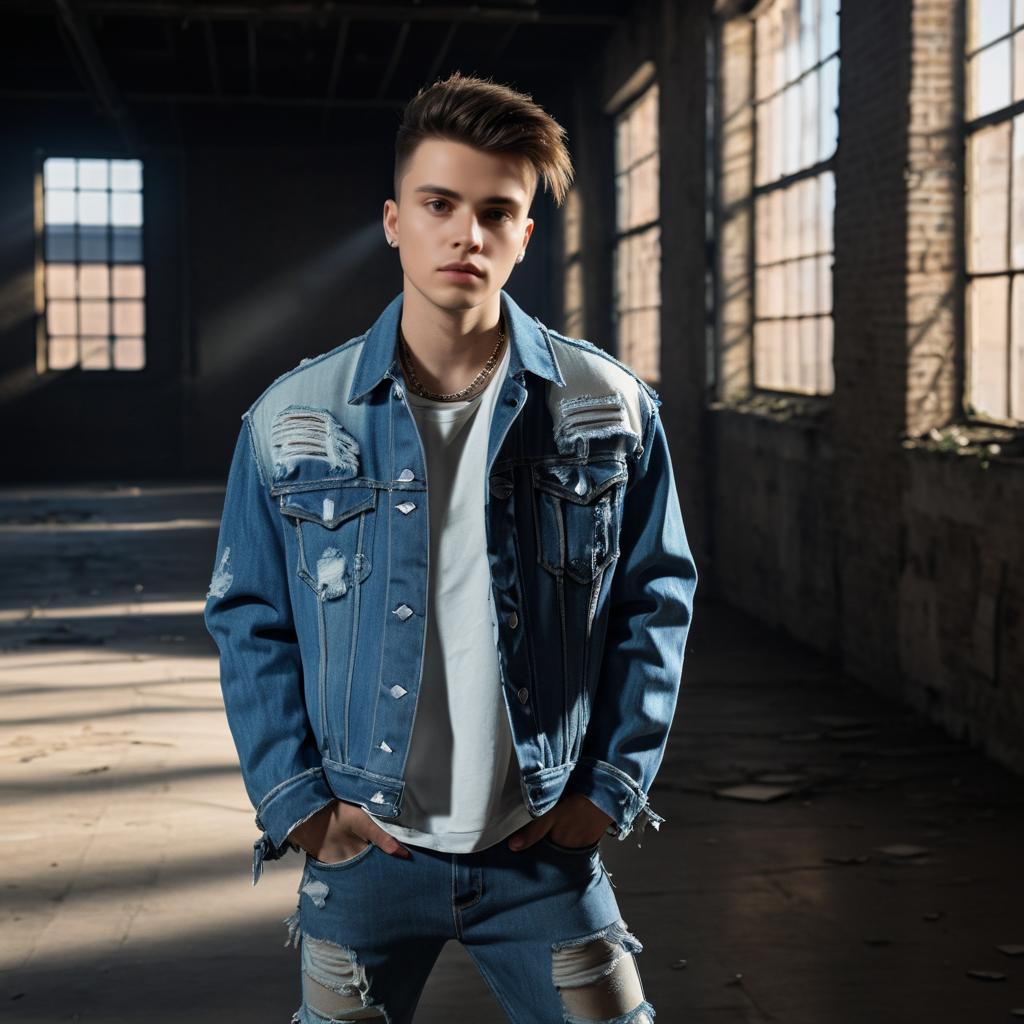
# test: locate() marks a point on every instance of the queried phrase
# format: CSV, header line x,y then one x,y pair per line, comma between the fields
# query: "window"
x,y
93,279
572,305
796,89
995,210
636,270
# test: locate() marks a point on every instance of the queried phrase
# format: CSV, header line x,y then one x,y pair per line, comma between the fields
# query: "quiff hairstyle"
x,y
487,116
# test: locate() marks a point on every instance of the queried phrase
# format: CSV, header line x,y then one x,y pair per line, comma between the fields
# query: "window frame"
x,y
41,333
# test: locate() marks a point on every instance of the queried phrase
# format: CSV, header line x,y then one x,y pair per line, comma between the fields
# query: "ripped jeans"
x,y
542,926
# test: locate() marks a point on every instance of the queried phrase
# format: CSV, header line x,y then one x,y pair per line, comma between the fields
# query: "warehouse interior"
x,y
800,221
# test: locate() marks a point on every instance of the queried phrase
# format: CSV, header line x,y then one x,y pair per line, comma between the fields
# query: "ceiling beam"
x,y
211,56
80,37
316,11
442,52
396,56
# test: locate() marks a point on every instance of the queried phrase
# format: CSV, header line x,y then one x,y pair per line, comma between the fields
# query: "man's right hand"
x,y
340,830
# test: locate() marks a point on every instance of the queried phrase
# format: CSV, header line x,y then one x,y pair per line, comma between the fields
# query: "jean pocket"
x,y
575,850
338,865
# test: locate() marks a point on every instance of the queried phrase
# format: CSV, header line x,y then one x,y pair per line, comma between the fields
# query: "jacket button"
x,y
406,507
513,620
398,391
406,475
403,611
523,694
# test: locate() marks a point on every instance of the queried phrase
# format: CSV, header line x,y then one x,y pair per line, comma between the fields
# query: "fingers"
x,y
529,834
361,824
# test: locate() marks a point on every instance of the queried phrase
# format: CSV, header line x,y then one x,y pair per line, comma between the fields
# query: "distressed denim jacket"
x,y
318,599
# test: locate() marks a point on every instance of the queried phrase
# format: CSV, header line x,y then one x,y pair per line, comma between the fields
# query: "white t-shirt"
x,y
462,789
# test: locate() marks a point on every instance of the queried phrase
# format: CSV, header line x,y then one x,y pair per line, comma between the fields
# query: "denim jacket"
x,y
318,598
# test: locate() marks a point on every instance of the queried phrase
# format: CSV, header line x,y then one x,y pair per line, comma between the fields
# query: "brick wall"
x,y
840,519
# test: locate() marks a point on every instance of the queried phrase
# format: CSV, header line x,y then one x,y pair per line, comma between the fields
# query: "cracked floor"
x,y
826,855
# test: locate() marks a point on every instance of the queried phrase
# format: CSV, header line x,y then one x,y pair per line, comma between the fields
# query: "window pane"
x,y
59,207
129,354
829,27
991,20
1017,350
826,210
989,78
128,318
988,194
60,242
828,128
126,174
93,244
126,208
94,318
1018,66
808,34
826,376
92,281
93,207
60,281
809,120
95,354
129,282
644,191
62,353
127,245
1017,195
824,287
61,317
573,225
791,129
987,301
94,174
58,173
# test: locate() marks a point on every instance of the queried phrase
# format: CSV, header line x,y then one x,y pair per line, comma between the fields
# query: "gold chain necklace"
x,y
406,357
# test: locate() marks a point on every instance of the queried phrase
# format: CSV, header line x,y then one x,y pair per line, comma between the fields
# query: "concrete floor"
x,y
126,833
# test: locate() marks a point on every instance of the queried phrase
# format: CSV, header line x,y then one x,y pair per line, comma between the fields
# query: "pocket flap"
x,y
580,482
328,506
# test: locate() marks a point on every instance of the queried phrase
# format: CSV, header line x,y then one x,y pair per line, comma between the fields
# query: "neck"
x,y
448,346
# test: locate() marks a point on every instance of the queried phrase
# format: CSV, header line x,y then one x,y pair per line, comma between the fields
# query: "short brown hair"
x,y
487,116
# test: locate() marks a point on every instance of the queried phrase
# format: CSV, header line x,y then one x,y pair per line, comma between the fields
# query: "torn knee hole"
x,y
334,983
597,978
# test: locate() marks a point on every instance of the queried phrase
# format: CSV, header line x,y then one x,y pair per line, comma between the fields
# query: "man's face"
x,y
460,204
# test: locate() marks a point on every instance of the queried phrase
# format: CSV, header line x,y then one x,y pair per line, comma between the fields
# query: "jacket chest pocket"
x,y
578,509
333,531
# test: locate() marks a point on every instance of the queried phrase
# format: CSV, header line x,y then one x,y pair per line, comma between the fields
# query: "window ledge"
x,y
982,441
798,410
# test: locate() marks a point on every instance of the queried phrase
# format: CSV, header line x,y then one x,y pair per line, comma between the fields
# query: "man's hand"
x,y
340,830
573,821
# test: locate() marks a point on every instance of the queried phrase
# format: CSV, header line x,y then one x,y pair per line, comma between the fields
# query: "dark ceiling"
x,y
189,70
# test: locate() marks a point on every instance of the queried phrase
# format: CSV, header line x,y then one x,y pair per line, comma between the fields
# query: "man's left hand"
x,y
575,821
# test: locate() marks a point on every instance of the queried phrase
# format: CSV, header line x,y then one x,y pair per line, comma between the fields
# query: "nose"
x,y
469,233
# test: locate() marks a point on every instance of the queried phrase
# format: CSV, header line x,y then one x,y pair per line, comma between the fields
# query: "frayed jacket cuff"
x,y
284,808
617,794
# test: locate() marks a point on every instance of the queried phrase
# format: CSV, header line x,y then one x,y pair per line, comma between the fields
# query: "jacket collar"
x,y
530,347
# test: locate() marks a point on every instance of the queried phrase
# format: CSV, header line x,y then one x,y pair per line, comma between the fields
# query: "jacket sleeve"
x,y
249,615
651,605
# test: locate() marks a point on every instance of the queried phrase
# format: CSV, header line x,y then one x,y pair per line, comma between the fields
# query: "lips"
x,y
465,268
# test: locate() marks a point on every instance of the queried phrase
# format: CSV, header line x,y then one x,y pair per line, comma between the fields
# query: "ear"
x,y
527,231
390,216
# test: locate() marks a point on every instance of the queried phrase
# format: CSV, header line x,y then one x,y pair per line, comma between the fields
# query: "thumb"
x,y
530,833
372,832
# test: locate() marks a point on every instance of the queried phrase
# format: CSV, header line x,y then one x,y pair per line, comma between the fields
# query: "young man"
x,y
452,593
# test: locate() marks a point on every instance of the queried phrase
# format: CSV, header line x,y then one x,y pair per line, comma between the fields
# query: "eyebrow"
x,y
452,194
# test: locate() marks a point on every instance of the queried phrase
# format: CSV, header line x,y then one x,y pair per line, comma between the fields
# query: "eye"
x,y
432,201
502,214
